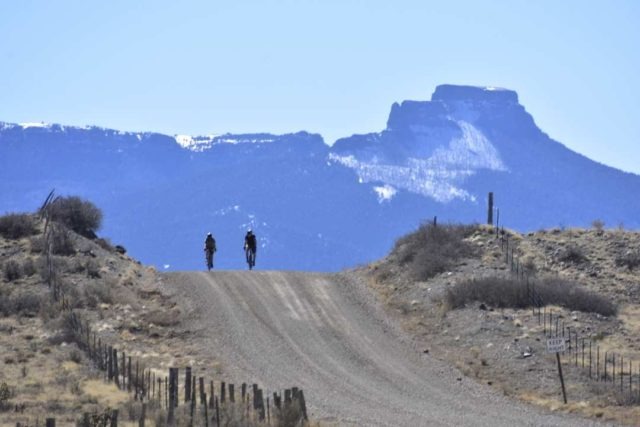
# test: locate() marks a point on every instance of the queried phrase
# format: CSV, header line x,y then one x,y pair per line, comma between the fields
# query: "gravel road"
x,y
327,335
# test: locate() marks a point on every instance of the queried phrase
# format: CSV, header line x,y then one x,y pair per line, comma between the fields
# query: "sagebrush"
x,y
432,249
513,293
17,225
79,215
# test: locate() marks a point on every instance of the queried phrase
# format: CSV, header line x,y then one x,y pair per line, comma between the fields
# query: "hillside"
x,y
316,207
63,310
453,292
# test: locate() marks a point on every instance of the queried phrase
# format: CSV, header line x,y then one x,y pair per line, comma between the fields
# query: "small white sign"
x,y
555,345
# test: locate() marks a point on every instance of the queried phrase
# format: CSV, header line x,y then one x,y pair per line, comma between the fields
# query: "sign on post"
x,y
555,345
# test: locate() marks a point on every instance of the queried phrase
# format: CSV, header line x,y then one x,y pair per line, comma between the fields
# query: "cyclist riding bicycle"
x,y
250,247
209,249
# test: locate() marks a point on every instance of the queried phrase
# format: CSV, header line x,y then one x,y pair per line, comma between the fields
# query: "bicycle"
x,y
250,254
209,258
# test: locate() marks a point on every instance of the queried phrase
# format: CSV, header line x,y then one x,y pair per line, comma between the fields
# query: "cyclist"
x,y
250,247
209,249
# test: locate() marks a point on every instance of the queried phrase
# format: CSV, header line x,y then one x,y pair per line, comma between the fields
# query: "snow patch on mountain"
x,y
197,144
34,125
206,142
385,193
438,176
417,176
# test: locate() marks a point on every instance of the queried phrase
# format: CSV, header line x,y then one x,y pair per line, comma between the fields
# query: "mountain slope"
x,y
313,206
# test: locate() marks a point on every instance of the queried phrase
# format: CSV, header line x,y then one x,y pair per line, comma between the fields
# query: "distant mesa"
x,y
474,93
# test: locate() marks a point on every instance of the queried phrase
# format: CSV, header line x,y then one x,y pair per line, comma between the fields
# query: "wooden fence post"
x,y
223,392
116,375
143,415
110,361
490,209
303,404
261,412
114,418
187,384
277,400
217,412
211,395
255,396
206,414
203,395
173,373
123,366
50,422
232,396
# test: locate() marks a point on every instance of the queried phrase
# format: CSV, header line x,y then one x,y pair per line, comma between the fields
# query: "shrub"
x,y
62,242
5,395
432,250
630,260
513,293
598,225
93,269
79,215
28,267
26,303
19,303
98,292
573,254
37,244
16,226
12,270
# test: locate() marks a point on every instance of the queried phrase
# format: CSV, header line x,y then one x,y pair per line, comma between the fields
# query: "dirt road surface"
x,y
327,335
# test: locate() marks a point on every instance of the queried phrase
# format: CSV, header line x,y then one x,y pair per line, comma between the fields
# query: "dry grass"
x,y
512,293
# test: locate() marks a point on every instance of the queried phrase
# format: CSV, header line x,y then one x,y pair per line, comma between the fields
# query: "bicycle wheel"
x,y
209,260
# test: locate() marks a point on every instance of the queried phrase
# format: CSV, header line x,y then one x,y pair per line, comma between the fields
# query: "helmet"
x,y
209,234
249,231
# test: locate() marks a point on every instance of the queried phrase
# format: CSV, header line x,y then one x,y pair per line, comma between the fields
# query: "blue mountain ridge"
x,y
312,206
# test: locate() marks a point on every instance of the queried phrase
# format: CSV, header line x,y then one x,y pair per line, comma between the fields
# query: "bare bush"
x,y
20,303
17,226
598,225
36,245
5,395
630,259
98,292
432,250
62,241
93,268
513,293
573,254
79,215
12,270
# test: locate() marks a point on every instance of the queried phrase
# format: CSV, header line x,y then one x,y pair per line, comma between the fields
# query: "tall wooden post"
x,y
564,393
490,209
187,384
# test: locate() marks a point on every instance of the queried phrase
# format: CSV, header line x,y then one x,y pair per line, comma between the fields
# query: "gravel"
x,y
328,335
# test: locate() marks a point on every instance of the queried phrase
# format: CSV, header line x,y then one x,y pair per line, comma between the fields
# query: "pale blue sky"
x,y
332,67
